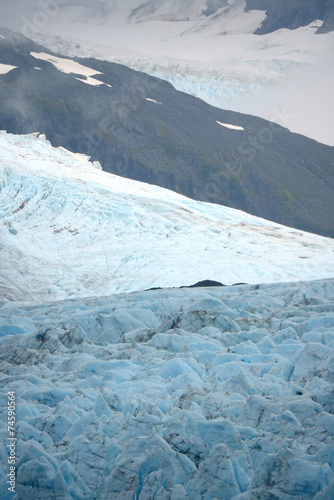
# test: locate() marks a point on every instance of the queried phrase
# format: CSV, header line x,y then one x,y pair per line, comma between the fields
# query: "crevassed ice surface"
x,y
222,393
70,230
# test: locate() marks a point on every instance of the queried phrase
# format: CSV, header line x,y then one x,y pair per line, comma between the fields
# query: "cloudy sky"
x,y
43,14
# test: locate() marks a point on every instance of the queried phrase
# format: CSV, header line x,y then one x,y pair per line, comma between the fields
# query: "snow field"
x,y
171,394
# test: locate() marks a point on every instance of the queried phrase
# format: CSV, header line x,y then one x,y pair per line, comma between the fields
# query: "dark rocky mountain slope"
x,y
292,15
140,127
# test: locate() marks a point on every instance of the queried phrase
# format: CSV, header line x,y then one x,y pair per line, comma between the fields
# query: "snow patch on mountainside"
x,y
68,66
6,68
70,230
232,127
152,100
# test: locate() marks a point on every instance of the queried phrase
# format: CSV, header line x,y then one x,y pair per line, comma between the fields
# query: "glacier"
x,y
223,392
174,393
70,230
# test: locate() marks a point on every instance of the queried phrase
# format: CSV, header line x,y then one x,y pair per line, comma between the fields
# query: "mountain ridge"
x,y
142,128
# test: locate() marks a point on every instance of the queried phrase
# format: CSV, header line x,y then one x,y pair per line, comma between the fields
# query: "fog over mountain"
x,y
211,49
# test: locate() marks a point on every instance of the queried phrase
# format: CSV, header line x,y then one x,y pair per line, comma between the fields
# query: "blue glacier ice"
x,y
210,393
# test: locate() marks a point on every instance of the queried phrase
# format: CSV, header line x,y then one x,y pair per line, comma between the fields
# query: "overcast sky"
x,y
15,14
